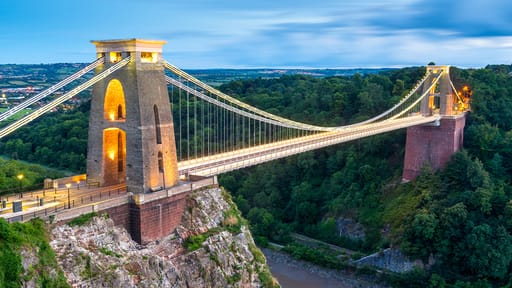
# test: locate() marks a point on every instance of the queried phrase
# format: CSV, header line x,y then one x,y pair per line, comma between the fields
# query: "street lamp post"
x,y
68,185
20,177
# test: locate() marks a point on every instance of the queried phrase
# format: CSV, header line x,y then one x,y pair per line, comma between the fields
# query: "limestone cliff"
x,y
211,248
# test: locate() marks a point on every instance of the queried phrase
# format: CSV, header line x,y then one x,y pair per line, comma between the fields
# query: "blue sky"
x,y
265,33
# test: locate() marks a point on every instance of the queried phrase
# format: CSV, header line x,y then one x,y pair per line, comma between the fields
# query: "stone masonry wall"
x,y
153,220
120,215
433,145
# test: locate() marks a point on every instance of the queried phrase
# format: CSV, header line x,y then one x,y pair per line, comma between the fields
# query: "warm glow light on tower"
x,y
114,105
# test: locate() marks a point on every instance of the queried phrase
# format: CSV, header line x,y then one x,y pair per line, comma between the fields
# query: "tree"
x,y
489,251
421,235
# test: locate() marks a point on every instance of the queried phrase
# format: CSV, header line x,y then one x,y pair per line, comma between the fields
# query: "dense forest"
x,y
460,216
58,140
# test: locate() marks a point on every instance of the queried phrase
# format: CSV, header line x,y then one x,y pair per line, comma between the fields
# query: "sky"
x,y
265,33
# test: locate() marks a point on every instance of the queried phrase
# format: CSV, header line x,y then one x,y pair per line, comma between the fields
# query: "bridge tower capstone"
x,y
131,133
440,98
434,144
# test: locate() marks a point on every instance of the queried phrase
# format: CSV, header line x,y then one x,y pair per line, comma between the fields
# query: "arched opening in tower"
x,y
114,106
114,156
157,125
434,101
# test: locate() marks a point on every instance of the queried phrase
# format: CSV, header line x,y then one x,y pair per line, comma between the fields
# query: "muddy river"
x,y
293,273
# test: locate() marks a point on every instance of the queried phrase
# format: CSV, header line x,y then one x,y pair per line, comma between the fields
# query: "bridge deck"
x,y
229,161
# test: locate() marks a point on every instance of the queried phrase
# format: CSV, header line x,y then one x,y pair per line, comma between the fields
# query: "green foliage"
x,y
87,273
58,140
462,224
263,273
47,259
10,258
30,236
436,281
416,278
420,233
82,219
312,255
234,279
10,263
109,252
327,231
258,255
263,222
33,176
450,215
266,279
194,242
233,220
300,193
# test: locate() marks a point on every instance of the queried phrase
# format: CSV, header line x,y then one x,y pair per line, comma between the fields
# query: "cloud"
x,y
366,34
269,33
469,18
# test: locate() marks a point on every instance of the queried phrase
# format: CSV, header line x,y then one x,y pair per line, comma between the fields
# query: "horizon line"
x,y
282,67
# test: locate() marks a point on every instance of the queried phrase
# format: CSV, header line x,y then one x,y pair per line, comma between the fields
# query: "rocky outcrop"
x,y
29,259
349,228
390,259
211,248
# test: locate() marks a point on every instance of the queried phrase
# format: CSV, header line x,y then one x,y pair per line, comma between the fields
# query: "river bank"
x,y
292,273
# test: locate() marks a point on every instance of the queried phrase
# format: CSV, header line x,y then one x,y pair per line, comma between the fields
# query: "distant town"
x,y
18,82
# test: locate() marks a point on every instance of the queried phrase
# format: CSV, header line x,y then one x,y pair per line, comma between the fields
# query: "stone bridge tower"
x,y
131,133
434,144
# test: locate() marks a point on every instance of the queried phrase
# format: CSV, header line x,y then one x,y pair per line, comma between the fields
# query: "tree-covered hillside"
x,y
304,193
460,216
58,140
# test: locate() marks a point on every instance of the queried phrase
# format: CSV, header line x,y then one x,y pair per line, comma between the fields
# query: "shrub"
x,y
194,242
82,219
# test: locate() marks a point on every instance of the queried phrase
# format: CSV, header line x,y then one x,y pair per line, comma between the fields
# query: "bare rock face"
x,y
29,259
211,248
390,259
347,227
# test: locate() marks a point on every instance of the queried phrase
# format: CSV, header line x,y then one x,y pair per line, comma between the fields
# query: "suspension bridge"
x,y
220,133
153,125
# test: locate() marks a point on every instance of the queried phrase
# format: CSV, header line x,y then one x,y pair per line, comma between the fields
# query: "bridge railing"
x,y
13,192
97,207
175,190
107,197
103,200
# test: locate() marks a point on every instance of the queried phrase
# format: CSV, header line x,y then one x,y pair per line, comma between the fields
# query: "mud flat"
x,y
292,273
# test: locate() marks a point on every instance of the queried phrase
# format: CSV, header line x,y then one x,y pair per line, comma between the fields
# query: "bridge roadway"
x,y
229,161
